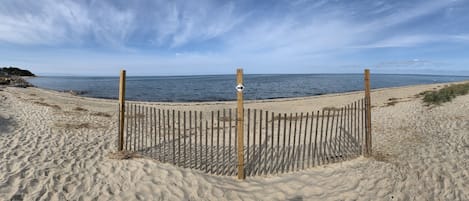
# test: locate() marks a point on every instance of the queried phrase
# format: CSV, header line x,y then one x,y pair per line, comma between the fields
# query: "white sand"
x,y
50,151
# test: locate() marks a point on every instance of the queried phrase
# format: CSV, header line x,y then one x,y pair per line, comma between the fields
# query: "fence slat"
x,y
259,156
224,163
211,141
284,141
128,141
341,151
173,135
321,142
292,161
190,139
254,148
165,132
310,140
133,128
332,152
359,126
137,127
293,157
140,128
304,142
145,125
349,131
231,157
236,138
298,155
264,167
352,132
324,144
278,144
271,160
218,143
184,140
126,125
354,115
289,144
346,130
142,131
206,147
127,128
248,134
194,164
336,153
151,124
363,126
200,142
356,123
179,153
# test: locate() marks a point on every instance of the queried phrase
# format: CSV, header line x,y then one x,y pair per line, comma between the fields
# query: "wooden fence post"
x,y
121,109
368,141
240,123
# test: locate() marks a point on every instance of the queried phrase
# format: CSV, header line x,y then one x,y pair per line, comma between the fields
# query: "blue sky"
x,y
99,37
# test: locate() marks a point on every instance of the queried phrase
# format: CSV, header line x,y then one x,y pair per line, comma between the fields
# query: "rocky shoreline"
x,y
13,76
15,81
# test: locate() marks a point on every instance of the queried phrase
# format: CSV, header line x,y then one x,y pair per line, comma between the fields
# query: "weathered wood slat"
x,y
324,144
298,155
303,161
271,159
211,141
230,135
189,160
200,140
277,161
254,147
225,162
248,159
320,151
330,148
266,139
207,161
293,156
217,168
310,155
336,136
289,143
151,124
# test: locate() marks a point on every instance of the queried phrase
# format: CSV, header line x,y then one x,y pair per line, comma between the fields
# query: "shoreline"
x,y
247,101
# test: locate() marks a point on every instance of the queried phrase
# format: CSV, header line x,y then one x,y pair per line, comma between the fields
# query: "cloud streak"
x,y
211,33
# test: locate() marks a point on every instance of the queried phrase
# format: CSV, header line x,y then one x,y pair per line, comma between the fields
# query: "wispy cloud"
x,y
211,33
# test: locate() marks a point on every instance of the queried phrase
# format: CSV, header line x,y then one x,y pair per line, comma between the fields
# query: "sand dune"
x,y
55,146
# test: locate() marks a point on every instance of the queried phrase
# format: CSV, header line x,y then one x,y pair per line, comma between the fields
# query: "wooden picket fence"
x,y
272,143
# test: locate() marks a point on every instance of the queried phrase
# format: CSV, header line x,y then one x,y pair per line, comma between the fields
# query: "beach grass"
x,y
445,94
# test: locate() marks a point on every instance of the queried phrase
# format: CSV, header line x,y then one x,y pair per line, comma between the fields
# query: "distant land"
x,y
15,71
12,76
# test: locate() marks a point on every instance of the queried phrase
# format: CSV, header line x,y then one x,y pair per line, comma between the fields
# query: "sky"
x,y
100,37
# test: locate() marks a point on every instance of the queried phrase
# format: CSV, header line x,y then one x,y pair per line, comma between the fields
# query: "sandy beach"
x,y
56,146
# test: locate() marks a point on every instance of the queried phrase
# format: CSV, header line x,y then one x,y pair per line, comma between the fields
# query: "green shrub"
x,y
445,94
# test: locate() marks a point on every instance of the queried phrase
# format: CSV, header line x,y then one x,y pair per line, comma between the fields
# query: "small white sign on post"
x,y
240,88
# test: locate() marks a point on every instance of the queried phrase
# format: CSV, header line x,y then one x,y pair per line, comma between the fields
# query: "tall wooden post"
x,y
240,123
367,151
121,109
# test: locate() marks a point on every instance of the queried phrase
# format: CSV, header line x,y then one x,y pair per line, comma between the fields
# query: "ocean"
x,y
222,87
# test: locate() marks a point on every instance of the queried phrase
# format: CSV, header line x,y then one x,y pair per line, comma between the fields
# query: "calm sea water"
x,y
222,87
